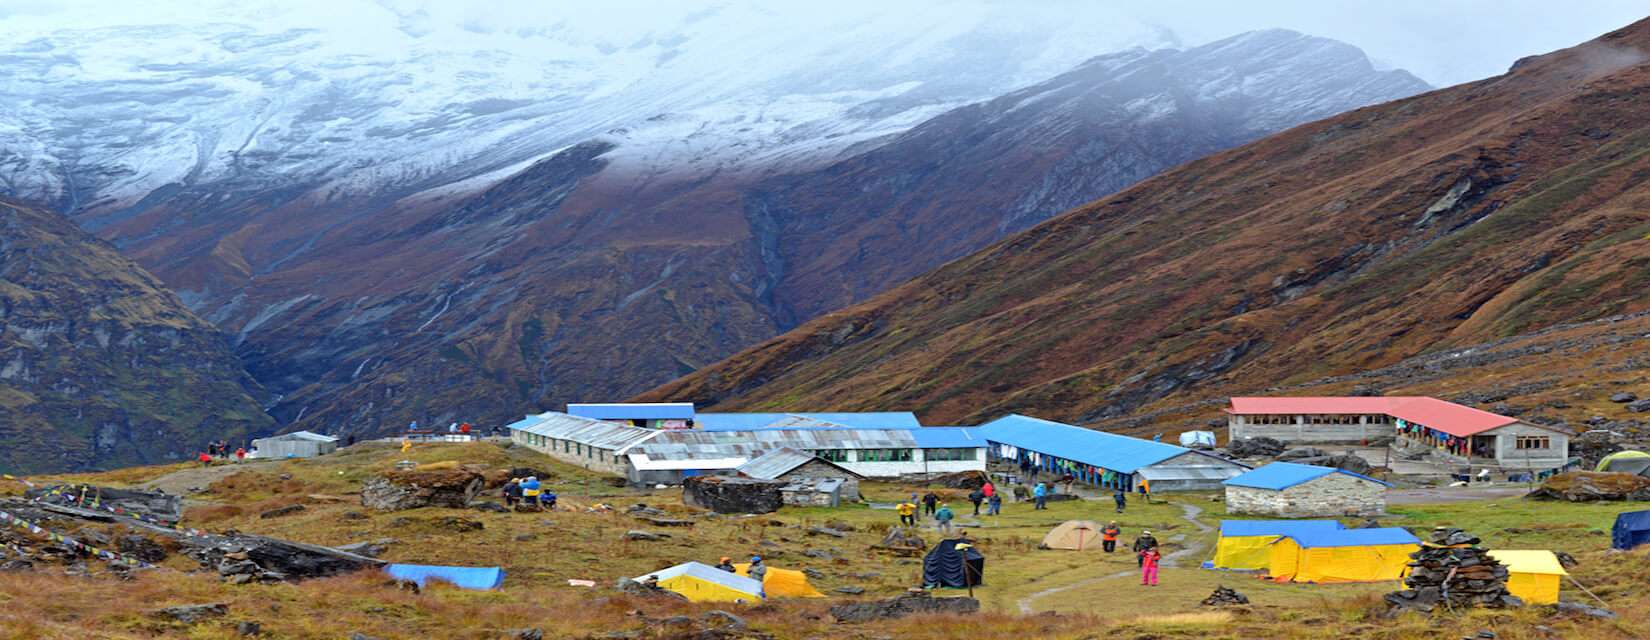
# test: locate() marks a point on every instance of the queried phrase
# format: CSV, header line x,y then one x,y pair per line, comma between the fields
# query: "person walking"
x,y
726,565
1040,494
1122,500
944,517
240,455
988,489
1143,543
907,514
1108,537
759,573
1148,566
976,496
929,503
994,504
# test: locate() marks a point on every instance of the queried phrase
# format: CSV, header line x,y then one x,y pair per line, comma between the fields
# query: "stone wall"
x,y
1336,494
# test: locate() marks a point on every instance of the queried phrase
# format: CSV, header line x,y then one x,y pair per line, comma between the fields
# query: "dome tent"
x,y
1075,535
1634,462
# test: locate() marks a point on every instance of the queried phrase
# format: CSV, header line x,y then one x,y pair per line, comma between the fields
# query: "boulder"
x,y
1639,406
913,603
1623,397
961,480
1255,448
141,548
635,534
152,504
732,495
400,490
525,634
370,549
1576,608
723,619
484,505
1589,486
1301,453
192,614
1347,462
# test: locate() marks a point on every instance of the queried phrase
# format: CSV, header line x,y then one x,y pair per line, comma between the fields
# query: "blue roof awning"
x,y
1282,475
948,438
633,410
1088,446
1240,528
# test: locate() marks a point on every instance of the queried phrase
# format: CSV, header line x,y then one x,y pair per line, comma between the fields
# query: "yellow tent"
x,y
1346,555
704,583
1247,544
783,583
1532,575
1075,535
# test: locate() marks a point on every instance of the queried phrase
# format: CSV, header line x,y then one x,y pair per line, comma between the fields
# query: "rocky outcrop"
x,y
1590,486
913,603
733,495
401,490
152,504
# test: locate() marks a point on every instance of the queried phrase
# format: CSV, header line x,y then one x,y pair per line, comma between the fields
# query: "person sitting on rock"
x,y
530,492
512,492
547,500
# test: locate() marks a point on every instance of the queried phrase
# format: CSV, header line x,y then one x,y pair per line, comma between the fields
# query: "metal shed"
x,y
298,444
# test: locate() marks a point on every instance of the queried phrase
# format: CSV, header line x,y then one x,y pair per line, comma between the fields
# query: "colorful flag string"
x,y
102,554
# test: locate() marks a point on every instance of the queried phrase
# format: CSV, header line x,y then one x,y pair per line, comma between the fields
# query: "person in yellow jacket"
x,y
907,513
406,445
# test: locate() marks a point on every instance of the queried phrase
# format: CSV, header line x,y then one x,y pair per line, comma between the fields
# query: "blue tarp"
x,y
1282,475
1240,528
1098,448
1632,529
479,578
858,420
1315,538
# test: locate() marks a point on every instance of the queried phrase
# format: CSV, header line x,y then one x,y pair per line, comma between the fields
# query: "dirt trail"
x,y
1188,512
181,483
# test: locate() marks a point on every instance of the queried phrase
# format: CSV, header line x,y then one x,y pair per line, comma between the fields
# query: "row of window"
x,y
1533,442
897,455
566,446
1329,418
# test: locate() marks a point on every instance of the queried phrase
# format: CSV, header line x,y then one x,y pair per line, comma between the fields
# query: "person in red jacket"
x,y
240,454
464,429
1148,566
206,459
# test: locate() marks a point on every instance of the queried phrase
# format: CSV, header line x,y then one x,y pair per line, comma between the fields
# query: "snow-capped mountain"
x,y
376,99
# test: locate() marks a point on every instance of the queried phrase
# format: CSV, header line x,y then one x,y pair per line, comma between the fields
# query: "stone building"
x,y
810,480
1455,433
1288,490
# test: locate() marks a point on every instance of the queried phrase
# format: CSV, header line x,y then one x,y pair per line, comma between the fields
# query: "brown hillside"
x,y
1457,217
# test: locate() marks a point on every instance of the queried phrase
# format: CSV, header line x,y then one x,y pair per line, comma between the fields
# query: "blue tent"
x,y
1632,529
478,578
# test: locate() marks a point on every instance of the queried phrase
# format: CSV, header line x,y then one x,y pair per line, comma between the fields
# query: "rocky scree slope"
x,y
101,365
1465,215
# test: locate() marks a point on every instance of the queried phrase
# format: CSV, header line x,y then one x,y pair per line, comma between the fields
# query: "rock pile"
x,y
1255,447
1588,486
151,504
961,480
732,495
903,542
912,603
411,489
1451,570
1224,597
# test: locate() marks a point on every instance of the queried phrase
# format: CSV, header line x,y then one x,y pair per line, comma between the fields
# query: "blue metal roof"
x,y
1106,450
1282,475
1240,528
948,437
633,410
1313,538
858,420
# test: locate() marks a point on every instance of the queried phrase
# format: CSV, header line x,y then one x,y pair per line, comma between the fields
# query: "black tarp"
x,y
1632,529
948,566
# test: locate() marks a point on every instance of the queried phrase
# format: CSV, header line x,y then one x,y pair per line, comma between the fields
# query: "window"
x,y
833,455
1533,442
945,455
885,455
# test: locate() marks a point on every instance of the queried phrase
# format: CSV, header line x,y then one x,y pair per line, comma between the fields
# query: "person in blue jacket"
x,y
1040,493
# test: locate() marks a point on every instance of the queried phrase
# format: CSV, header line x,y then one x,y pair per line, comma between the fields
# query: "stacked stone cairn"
x,y
1452,571
1223,597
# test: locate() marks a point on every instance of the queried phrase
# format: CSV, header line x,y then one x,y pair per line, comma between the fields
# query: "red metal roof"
x,y
1447,417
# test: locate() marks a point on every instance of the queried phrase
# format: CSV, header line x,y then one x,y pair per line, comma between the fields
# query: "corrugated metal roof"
x,y
587,431
1282,475
301,435
1240,528
632,410
694,443
644,463
1098,448
1448,417
751,421
949,437
1189,472
1313,538
773,464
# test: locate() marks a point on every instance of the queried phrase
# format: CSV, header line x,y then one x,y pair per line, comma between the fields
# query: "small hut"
x,y
298,444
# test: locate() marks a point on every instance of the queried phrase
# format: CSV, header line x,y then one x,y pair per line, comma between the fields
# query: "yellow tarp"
x,y
1371,563
698,589
1534,575
782,583
1244,552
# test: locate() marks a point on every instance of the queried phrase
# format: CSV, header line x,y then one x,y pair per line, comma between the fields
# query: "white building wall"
x,y
916,466
1508,455
1333,495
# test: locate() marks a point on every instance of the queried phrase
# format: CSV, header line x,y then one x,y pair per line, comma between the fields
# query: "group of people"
x,y
941,512
757,571
219,450
528,493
